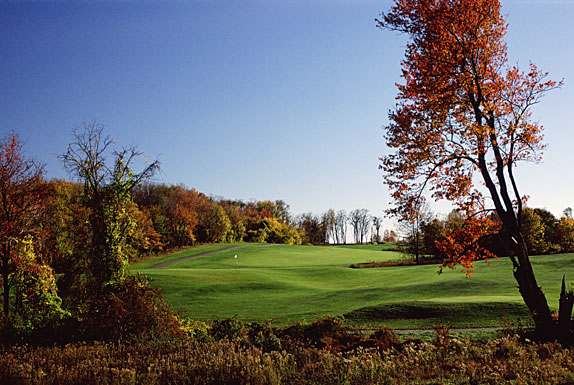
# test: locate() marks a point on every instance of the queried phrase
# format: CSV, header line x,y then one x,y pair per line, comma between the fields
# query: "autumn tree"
x,y
154,202
213,222
549,222
565,234
22,192
66,229
34,294
274,231
463,110
432,233
144,239
107,179
533,232
311,228
281,211
181,215
237,222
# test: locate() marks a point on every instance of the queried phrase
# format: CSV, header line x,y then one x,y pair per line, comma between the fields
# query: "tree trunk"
x,y
565,314
417,248
532,294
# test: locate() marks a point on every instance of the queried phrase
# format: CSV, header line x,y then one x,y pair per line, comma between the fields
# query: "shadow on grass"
x,y
420,314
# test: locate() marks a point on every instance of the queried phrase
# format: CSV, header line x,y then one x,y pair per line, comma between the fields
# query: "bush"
x,y
263,336
36,308
194,329
325,333
227,328
128,309
385,339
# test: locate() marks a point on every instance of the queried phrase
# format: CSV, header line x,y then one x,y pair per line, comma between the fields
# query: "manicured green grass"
x,y
292,283
181,254
281,256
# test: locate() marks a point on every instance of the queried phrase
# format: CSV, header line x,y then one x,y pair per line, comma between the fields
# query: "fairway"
x,y
293,283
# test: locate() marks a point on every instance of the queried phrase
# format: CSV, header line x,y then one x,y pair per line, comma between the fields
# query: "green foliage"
x,y
432,232
549,222
106,196
36,303
565,234
195,329
533,232
227,328
263,336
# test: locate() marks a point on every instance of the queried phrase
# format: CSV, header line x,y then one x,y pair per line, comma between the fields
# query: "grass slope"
x,y
181,254
290,283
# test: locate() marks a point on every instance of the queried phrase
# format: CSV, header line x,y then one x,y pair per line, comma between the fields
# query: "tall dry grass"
x,y
500,361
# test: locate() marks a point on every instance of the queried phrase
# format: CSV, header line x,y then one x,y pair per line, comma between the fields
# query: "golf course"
x,y
287,283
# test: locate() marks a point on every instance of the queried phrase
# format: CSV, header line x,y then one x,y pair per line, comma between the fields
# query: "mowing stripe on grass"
x,y
164,264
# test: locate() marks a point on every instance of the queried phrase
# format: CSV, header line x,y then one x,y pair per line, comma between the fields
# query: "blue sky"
x,y
251,99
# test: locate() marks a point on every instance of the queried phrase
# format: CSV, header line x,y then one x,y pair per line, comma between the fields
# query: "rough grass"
x,y
291,283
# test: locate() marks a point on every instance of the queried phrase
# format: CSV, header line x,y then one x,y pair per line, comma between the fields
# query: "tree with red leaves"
x,y
22,191
463,110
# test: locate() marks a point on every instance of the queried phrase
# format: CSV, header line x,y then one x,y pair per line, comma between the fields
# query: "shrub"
x,y
131,308
385,338
263,336
227,328
327,332
36,306
194,329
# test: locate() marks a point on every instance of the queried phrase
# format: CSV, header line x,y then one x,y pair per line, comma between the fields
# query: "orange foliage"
x,y
461,110
461,243
182,214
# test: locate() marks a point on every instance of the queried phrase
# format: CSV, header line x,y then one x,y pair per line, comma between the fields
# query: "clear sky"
x,y
251,99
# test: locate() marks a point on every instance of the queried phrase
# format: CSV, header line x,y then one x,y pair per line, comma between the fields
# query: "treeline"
x,y
173,216
543,233
65,247
337,227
